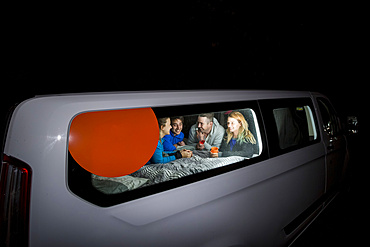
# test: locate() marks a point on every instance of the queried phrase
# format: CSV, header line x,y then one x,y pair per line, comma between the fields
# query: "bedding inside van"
x,y
151,174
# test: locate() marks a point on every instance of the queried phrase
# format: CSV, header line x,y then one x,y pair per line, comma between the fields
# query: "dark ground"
x,y
200,44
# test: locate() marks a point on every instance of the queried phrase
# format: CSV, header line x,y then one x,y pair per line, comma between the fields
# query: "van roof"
x,y
170,97
256,93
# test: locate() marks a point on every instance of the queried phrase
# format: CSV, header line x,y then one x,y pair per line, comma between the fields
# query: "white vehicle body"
x,y
267,203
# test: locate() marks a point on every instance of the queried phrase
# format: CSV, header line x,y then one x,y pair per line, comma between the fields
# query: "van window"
x,y
290,124
329,118
295,125
193,143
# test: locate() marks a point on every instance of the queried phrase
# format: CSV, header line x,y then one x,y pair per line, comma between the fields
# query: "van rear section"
x,y
174,168
15,198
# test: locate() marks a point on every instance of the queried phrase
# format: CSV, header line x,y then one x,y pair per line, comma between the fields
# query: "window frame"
x,y
79,180
329,109
267,107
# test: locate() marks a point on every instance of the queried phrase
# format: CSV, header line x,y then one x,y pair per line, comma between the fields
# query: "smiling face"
x,y
164,127
176,126
204,125
233,125
167,127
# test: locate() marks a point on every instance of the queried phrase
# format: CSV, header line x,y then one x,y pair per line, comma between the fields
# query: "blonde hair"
x,y
244,134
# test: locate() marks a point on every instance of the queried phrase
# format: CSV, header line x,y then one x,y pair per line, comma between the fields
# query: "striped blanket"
x,y
200,162
158,173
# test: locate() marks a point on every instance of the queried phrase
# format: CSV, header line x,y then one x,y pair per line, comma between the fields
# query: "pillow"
x,y
116,185
108,187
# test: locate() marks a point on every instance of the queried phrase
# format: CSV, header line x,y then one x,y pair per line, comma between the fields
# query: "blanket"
x,y
200,162
157,173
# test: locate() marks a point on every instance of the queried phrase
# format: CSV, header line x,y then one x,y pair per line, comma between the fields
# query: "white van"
x,y
78,170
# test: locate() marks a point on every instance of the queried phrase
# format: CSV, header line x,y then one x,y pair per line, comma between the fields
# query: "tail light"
x,y
15,186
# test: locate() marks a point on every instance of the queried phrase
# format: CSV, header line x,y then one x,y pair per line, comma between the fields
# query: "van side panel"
x,y
248,206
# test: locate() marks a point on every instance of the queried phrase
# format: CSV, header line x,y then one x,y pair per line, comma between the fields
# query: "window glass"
x,y
329,118
295,126
186,146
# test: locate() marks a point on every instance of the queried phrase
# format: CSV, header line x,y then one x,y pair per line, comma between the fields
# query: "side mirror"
x,y
352,125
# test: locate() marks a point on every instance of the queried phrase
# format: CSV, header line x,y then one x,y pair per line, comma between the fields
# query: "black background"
x,y
185,45
52,49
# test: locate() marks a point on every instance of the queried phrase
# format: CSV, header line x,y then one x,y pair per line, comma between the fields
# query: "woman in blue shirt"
x,y
159,155
239,141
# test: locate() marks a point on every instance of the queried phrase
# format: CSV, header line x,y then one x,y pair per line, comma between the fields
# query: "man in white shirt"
x,y
207,129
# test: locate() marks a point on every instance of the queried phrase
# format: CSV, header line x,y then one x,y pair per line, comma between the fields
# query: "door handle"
x,y
331,145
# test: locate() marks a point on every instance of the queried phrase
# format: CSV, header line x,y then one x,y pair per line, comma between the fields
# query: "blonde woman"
x,y
238,141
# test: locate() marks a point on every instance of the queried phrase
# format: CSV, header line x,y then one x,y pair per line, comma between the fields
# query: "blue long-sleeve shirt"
x,y
171,139
158,158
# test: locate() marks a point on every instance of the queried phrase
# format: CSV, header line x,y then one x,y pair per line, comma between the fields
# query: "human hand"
x,y
182,143
186,153
200,135
200,145
213,155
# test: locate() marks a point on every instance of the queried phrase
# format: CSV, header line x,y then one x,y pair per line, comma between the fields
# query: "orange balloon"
x,y
114,143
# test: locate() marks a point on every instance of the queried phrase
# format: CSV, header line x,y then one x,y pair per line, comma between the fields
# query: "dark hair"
x,y
209,116
179,117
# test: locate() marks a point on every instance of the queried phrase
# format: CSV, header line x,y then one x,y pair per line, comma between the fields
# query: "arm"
x,y
207,146
217,140
192,136
244,150
179,138
167,145
158,158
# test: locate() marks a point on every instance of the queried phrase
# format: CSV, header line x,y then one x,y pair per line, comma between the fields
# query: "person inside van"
x,y
160,156
206,133
239,140
176,137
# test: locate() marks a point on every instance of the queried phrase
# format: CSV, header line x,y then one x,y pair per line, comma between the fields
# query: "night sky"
x,y
186,45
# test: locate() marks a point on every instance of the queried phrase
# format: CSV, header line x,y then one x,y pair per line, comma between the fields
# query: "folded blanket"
x,y
108,185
